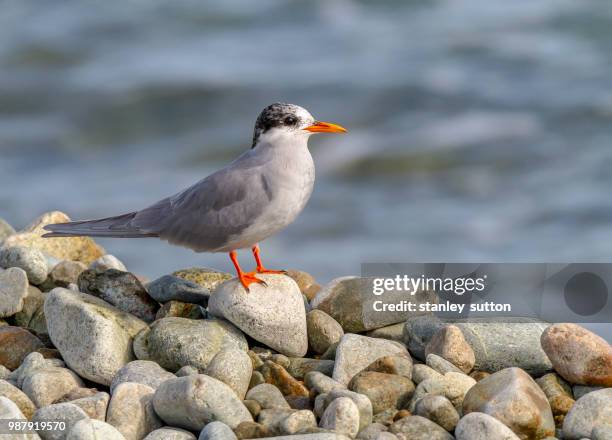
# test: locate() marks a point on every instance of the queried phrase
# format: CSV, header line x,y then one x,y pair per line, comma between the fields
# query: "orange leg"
x,y
246,278
260,266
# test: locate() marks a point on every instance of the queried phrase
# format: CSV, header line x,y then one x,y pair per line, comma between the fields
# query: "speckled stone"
x,y
45,386
578,355
306,282
278,376
191,402
354,353
323,331
268,396
145,372
92,429
13,290
207,278
172,434
450,344
591,410
26,406
131,411
513,397
233,367
217,431
419,428
31,260
66,272
82,249
273,315
341,416
121,289
481,426
384,390
94,338
173,288
177,342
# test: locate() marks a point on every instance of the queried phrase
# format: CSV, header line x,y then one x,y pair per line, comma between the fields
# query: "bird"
x,y
252,198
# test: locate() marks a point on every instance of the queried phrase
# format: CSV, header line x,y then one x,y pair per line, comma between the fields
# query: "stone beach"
x,y
191,355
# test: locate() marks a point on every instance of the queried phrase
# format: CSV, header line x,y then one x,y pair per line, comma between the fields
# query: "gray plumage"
x,y
256,195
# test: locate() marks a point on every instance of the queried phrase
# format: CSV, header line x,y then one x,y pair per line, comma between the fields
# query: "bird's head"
x,y
289,121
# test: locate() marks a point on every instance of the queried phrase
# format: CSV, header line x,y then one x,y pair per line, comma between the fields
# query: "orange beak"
x,y
325,127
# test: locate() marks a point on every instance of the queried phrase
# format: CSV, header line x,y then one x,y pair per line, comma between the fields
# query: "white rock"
x,y
268,396
191,402
94,406
45,386
362,401
217,431
232,367
10,411
341,416
590,411
170,434
13,290
106,262
354,353
93,337
62,412
481,426
274,315
92,429
144,372
131,410
31,260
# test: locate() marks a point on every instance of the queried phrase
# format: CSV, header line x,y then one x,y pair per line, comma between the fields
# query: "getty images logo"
x,y
412,285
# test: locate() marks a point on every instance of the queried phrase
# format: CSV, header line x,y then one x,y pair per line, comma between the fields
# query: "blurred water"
x,y
479,131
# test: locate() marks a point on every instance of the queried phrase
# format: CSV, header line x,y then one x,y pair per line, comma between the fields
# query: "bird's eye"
x,y
290,120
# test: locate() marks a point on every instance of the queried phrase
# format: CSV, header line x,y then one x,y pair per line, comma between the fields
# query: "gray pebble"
x,y
31,260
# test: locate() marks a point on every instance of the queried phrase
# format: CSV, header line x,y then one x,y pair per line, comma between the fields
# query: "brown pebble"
x,y
250,430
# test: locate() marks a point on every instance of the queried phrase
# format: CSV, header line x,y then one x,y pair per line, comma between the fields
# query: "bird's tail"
x,y
119,226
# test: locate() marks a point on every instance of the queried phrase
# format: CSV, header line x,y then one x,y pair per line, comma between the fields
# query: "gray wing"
x,y
205,215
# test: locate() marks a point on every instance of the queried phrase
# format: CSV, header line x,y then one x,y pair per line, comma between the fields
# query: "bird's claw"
x,y
246,279
277,272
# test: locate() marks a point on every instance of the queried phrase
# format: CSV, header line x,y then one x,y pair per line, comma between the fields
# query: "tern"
x,y
236,207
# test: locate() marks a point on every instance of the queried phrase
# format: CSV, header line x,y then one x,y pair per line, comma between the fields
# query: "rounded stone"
x,y
268,396
176,342
439,410
13,290
272,314
191,402
15,344
419,428
450,344
341,416
578,355
45,386
590,411
297,421
66,272
121,289
481,426
172,288
26,406
384,390
355,352
217,431
106,262
209,279
145,372
170,434
82,249
93,337
512,397
320,383
364,405
31,260
323,331
61,412
398,365
131,411
232,367
92,429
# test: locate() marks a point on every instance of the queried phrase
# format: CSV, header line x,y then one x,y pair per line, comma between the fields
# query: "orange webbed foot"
x,y
278,272
248,278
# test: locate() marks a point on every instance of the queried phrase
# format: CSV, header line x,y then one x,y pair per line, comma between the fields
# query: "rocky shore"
x,y
190,355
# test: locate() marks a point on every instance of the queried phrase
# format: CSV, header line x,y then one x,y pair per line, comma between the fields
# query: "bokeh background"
x,y
479,130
